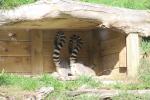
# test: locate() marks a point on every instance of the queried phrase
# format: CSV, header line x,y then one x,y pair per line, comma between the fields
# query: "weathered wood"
x,y
37,51
15,64
132,54
95,42
20,35
79,15
9,48
24,47
123,52
48,64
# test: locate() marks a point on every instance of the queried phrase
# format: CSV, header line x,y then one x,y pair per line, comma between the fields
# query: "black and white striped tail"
x,y
75,44
59,42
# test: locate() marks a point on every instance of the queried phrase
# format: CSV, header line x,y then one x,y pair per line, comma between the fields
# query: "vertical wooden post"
x,y
122,53
37,51
132,55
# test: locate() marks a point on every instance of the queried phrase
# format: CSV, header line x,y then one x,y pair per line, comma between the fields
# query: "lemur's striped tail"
x,y
59,42
75,44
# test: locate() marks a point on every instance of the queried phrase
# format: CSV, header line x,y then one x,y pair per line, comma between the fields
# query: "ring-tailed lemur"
x,y
59,42
61,65
75,45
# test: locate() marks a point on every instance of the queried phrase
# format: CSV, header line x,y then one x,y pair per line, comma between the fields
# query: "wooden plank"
x,y
8,48
15,64
48,64
123,53
123,57
37,51
21,35
48,35
132,41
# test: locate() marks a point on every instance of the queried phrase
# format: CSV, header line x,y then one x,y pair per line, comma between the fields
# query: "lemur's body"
x,y
61,65
75,45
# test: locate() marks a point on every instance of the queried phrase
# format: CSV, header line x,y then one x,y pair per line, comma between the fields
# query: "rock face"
x,y
68,14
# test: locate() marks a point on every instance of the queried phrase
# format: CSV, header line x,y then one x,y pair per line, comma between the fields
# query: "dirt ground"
x,y
13,92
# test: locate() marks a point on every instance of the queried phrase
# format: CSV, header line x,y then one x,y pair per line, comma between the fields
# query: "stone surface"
x,y
69,14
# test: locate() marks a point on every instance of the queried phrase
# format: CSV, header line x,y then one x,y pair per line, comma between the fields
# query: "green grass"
x,y
145,45
48,80
18,81
130,86
133,4
27,83
122,96
126,96
144,72
30,84
144,67
7,4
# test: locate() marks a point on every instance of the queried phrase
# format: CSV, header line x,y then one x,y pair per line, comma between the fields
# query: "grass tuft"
x,y
27,83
